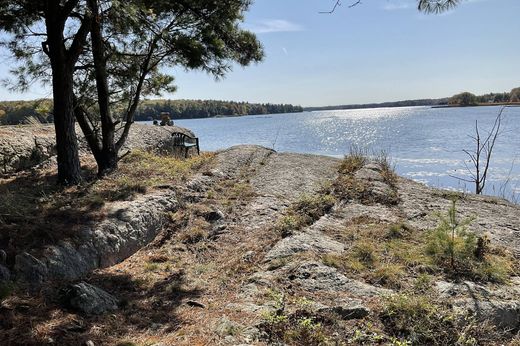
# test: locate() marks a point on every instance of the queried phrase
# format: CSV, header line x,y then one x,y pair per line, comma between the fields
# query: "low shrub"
x,y
458,251
365,252
196,232
298,328
388,275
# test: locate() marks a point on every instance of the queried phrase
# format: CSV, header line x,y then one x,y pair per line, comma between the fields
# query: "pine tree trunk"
x,y
107,158
69,172
107,162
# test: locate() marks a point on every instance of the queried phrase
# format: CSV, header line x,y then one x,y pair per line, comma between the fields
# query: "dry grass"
x,y
34,210
388,255
304,212
351,188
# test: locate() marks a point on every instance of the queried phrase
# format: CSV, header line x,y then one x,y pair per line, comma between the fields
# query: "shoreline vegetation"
x,y
40,111
505,104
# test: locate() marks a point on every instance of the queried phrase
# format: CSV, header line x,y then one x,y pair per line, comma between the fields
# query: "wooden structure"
x,y
185,141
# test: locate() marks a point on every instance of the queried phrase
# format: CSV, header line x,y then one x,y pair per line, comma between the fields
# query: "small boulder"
x,y
88,299
30,270
214,216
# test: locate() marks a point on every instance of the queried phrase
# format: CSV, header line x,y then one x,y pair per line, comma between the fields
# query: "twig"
x,y
337,4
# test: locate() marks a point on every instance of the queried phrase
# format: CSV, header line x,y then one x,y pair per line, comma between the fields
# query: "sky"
x,y
377,51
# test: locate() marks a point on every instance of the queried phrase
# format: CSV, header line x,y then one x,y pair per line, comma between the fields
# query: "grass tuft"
x,y
304,212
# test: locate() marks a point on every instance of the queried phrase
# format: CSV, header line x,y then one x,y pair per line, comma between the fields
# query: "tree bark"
x,y
69,172
108,157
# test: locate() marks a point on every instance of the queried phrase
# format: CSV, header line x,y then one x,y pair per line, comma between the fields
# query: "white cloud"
x,y
273,25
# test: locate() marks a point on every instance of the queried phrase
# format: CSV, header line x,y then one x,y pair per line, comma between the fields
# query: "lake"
x,y
424,143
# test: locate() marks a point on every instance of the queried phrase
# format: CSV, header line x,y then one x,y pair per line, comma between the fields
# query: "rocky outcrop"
x,y
129,226
243,270
314,277
497,304
26,146
314,241
494,216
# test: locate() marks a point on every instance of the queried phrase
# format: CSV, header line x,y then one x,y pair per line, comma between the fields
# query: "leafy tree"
x,y
463,99
514,95
105,55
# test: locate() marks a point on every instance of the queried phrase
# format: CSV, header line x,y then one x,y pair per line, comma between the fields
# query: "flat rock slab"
x,y
288,175
305,241
314,276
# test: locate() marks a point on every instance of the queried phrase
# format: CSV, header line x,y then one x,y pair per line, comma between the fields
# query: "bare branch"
x,y
337,4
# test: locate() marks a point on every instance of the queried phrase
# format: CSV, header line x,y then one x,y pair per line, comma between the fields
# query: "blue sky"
x,y
380,50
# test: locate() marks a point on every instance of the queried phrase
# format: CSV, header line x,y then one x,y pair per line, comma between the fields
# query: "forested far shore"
x,y
461,99
191,109
40,111
406,103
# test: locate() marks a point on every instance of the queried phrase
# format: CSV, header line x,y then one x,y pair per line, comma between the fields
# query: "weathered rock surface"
x,y
26,146
499,304
314,276
88,299
496,217
503,314
305,241
129,226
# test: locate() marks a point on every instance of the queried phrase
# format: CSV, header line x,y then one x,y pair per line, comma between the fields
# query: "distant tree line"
x,y
406,103
462,99
40,111
190,109
469,99
26,112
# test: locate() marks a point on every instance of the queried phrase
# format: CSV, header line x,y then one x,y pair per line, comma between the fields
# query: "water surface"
x,y
425,144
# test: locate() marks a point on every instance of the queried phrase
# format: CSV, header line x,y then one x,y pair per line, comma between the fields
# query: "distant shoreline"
x,y
507,104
